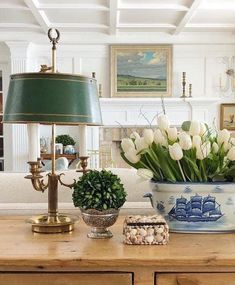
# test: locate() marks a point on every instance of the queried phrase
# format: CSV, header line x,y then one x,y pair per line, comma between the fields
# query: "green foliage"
x,y
100,190
65,140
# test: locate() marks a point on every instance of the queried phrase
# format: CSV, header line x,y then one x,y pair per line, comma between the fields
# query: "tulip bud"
x,y
148,136
141,144
231,154
145,173
127,144
203,129
163,122
185,141
215,147
172,134
159,138
132,156
194,128
203,150
175,151
223,136
197,140
134,135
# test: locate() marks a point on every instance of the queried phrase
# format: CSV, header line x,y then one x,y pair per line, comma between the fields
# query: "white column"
x,y
82,140
17,150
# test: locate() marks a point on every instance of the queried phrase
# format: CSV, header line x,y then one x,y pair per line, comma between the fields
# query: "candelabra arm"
x,y
65,184
38,184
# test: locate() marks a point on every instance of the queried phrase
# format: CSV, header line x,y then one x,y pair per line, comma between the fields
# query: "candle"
x,y
82,132
33,142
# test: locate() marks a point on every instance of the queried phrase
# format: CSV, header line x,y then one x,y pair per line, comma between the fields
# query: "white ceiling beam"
x,y
187,17
13,6
113,16
40,16
55,5
136,6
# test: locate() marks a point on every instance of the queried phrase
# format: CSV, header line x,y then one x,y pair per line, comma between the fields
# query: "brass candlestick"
x,y
83,164
190,90
183,84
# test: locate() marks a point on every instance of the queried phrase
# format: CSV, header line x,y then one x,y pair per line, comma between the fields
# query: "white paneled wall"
x,y
205,67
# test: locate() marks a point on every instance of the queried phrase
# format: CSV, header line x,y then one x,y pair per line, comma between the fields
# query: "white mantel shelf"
x,y
126,111
167,100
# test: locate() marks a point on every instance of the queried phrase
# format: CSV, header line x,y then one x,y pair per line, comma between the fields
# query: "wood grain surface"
x,y
19,247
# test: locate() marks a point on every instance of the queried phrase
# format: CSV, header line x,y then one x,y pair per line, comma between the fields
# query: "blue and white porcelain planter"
x,y
195,207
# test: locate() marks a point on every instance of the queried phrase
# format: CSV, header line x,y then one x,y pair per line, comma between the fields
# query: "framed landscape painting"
x,y
227,116
141,71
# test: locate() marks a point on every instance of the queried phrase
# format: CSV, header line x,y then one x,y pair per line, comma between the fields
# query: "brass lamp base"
x,y
43,224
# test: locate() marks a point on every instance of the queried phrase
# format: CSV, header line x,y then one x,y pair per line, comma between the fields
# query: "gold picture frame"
x,y
227,116
141,70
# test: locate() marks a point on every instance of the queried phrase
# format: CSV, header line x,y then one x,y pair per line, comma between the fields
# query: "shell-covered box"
x,y
145,230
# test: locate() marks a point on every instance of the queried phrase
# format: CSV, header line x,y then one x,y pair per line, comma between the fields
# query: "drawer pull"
x,y
182,280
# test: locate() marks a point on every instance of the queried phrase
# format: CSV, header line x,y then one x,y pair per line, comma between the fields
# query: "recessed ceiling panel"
x,y
76,16
13,2
81,2
152,17
155,2
214,17
16,16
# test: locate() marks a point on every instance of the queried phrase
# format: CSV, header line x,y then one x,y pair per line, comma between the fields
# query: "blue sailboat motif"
x,y
197,209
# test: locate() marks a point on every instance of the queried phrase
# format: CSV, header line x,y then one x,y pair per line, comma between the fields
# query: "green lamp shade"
x,y
49,98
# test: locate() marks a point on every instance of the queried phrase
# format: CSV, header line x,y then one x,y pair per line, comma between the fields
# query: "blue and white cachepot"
x,y
195,207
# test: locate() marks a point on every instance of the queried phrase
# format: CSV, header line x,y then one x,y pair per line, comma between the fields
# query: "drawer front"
x,y
196,279
65,278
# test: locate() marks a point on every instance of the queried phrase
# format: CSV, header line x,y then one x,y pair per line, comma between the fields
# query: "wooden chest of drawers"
x,y
72,258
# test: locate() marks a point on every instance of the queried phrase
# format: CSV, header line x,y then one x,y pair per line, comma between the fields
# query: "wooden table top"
x,y
19,247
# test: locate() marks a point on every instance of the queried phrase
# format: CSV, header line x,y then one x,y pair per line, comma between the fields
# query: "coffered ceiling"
x,y
103,19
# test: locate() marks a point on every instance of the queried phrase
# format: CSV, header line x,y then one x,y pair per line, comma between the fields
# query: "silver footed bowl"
x,y
99,221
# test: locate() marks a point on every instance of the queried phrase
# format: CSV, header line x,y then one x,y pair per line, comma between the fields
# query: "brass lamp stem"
x,y
53,149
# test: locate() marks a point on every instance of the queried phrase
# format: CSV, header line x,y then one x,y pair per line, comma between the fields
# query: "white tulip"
x,y
175,151
203,150
163,122
194,128
134,135
215,147
203,129
223,136
172,134
197,141
232,141
141,144
148,136
145,173
127,144
227,146
231,154
132,156
159,138
185,141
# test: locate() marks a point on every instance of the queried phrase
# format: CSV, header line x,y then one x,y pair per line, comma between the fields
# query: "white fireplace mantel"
x,y
127,111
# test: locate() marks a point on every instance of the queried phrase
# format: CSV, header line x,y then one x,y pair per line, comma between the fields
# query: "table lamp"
x,y
49,97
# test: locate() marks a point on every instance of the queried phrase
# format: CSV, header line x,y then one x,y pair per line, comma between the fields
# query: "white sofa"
x,y
17,193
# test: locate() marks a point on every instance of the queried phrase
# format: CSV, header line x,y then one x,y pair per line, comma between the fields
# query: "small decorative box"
x,y
145,230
